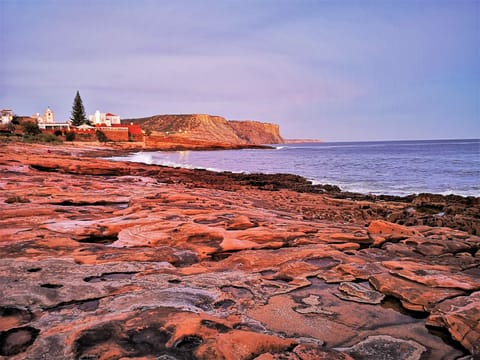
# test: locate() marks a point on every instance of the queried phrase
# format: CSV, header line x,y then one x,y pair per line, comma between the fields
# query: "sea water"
x,y
383,167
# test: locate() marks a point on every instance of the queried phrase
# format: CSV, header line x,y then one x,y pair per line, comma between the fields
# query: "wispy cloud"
x,y
319,68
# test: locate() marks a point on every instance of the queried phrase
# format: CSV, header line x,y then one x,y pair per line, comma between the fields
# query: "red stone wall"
x,y
116,134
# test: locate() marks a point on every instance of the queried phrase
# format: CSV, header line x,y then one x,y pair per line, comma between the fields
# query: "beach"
x,y
105,259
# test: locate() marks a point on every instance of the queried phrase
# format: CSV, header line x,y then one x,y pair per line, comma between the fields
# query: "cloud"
x,y
306,64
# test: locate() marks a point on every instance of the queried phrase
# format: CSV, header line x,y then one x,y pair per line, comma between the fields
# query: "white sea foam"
x,y
393,168
140,157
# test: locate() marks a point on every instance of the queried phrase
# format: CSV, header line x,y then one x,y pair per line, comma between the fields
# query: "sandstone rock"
x,y
309,352
254,132
461,317
211,128
113,260
240,222
433,276
386,347
359,293
381,231
414,296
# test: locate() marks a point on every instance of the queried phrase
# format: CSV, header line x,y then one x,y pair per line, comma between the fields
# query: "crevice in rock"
x,y
174,281
208,221
446,337
34,270
44,168
188,343
224,304
267,272
94,203
326,262
472,251
19,315
184,259
215,325
51,286
137,342
391,302
110,276
16,341
238,292
100,239
84,305
219,256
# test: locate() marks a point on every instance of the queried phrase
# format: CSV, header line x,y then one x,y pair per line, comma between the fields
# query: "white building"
x,y
6,116
47,121
47,118
106,119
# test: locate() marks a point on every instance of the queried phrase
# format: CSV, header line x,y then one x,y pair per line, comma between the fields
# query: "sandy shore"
x,y
111,260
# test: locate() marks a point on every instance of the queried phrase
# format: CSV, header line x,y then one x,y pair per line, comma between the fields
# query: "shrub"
x,y
50,138
30,128
70,136
58,133
101,136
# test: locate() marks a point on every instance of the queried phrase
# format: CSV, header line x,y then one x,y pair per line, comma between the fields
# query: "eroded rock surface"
x,y
103,260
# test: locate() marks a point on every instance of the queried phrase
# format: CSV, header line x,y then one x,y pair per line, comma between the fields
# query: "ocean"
x,y
379,167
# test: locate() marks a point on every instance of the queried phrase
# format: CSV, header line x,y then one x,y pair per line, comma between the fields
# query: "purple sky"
x,y
335,70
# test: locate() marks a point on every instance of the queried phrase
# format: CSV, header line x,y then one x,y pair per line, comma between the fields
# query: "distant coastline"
x,y
302,141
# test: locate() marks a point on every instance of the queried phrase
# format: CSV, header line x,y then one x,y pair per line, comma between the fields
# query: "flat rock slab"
x,y
111,260
461,316
384,347
359,293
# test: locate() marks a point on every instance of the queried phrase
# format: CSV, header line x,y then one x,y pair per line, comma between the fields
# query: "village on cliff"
x,y
192,131
107,124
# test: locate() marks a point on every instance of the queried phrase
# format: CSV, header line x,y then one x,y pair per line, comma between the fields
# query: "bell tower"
x,y
49,116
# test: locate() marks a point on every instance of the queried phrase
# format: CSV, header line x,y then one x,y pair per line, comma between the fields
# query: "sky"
x,y
334,70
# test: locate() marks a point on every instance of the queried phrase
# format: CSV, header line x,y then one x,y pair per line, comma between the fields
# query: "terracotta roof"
x,y
110,114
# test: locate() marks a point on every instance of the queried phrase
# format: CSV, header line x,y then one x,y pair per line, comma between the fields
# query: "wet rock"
x,y
112,260
240,222
384,347
381,231
461,317
17,340
414,296
312,306
433,276
12,316
360,293
311,352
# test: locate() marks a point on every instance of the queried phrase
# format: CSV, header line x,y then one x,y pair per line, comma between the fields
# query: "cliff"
x,y
202,127
255,132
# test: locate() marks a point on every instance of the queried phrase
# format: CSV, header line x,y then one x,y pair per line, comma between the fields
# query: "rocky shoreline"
x,y
111,260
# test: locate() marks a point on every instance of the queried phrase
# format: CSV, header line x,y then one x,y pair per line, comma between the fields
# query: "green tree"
x,y
70,136
31,128
101,137
78,111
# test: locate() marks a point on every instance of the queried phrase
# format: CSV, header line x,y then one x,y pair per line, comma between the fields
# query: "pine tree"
x,y
78,112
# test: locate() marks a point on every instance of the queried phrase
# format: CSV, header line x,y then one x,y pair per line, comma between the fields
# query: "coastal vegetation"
x,y
79,116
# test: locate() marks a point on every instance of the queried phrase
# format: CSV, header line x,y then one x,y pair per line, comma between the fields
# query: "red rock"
x,y
381,231
461,317
386,347
433,276
359,293
113,260
414,296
